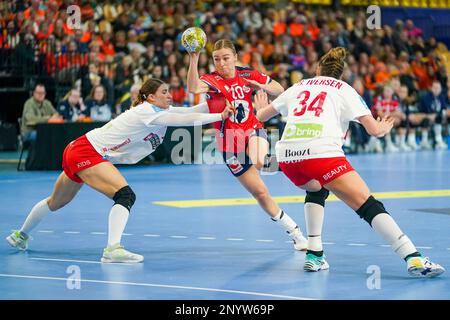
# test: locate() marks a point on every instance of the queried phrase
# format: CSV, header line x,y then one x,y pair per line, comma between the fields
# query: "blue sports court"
x,y
204,238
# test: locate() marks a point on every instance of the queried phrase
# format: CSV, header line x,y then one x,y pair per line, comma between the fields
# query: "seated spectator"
x,y
386,105
96,106
72,107
36,110
127,99
177,91
434,103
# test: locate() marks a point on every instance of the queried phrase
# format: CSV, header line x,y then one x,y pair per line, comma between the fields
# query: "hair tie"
x,y
144,96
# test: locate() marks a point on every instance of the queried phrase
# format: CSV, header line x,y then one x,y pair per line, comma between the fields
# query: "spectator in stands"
x,y
127,99
72,108
413,118
387,105
177,91
434,103
36,110
96,105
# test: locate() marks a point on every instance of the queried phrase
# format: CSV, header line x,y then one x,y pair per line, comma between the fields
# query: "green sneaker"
x,y
314,263
117,254
18,240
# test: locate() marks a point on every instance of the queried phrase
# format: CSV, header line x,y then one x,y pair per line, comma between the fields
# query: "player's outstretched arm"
x,y
265,110
171,119
379,127
198,108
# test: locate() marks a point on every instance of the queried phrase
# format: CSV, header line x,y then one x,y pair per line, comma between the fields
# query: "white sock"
x,y
39,211
424,136
314,221
385,226
412,138
118,217
388,139
438,133
401,140
285,221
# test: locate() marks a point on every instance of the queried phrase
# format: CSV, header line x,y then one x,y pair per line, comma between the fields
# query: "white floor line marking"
x,y
357,244
98,232
263,240
46,231
72,232
81,261
328,243
418,247
234,239
206,238
385,245
152,235
141,284
127,234
178,237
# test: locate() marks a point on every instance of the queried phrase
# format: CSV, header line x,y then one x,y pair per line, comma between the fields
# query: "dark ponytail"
x,y
149,87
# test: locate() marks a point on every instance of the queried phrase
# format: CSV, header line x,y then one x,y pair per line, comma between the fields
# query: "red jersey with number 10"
x,y
238,127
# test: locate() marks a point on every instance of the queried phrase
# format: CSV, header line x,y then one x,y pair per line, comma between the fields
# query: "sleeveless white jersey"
x,y
318,112
130,137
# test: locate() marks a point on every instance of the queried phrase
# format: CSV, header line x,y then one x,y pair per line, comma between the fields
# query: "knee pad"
x,y
125,197
370,209
425,123
318,197
438,119
403,124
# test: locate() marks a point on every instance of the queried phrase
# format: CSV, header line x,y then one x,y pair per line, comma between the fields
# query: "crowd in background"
x,y
121,43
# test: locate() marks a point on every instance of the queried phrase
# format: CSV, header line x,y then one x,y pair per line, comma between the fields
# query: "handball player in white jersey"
x,y
90,159
318,112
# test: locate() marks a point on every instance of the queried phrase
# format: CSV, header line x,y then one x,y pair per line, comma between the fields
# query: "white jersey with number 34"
x,y
318,112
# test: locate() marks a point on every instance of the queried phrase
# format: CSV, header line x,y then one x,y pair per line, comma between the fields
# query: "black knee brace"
x,y
403,124
370,209
438,119
125,197
425,123
318,197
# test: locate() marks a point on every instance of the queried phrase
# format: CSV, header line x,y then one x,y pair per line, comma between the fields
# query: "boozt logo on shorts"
x,y
303,130
234,165
83,164
334,172
297,153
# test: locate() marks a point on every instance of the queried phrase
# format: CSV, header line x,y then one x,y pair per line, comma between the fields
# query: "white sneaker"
x,y
441,145
405,148
413,145
423,267
117,254
300,242
391,148
18,240
425,145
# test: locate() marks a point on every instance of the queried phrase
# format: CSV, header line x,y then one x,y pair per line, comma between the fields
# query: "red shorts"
x,y
323,170
79,155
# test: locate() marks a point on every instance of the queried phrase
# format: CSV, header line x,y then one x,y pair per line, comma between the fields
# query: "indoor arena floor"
x,y
224,246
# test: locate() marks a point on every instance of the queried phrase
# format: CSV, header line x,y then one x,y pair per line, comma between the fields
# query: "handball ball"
x,y
193,39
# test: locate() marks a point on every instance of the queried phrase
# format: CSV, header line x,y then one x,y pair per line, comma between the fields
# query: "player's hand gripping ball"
x,y
193,39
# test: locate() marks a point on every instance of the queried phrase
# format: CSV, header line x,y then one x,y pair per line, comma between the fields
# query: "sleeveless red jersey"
x,y
238,127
